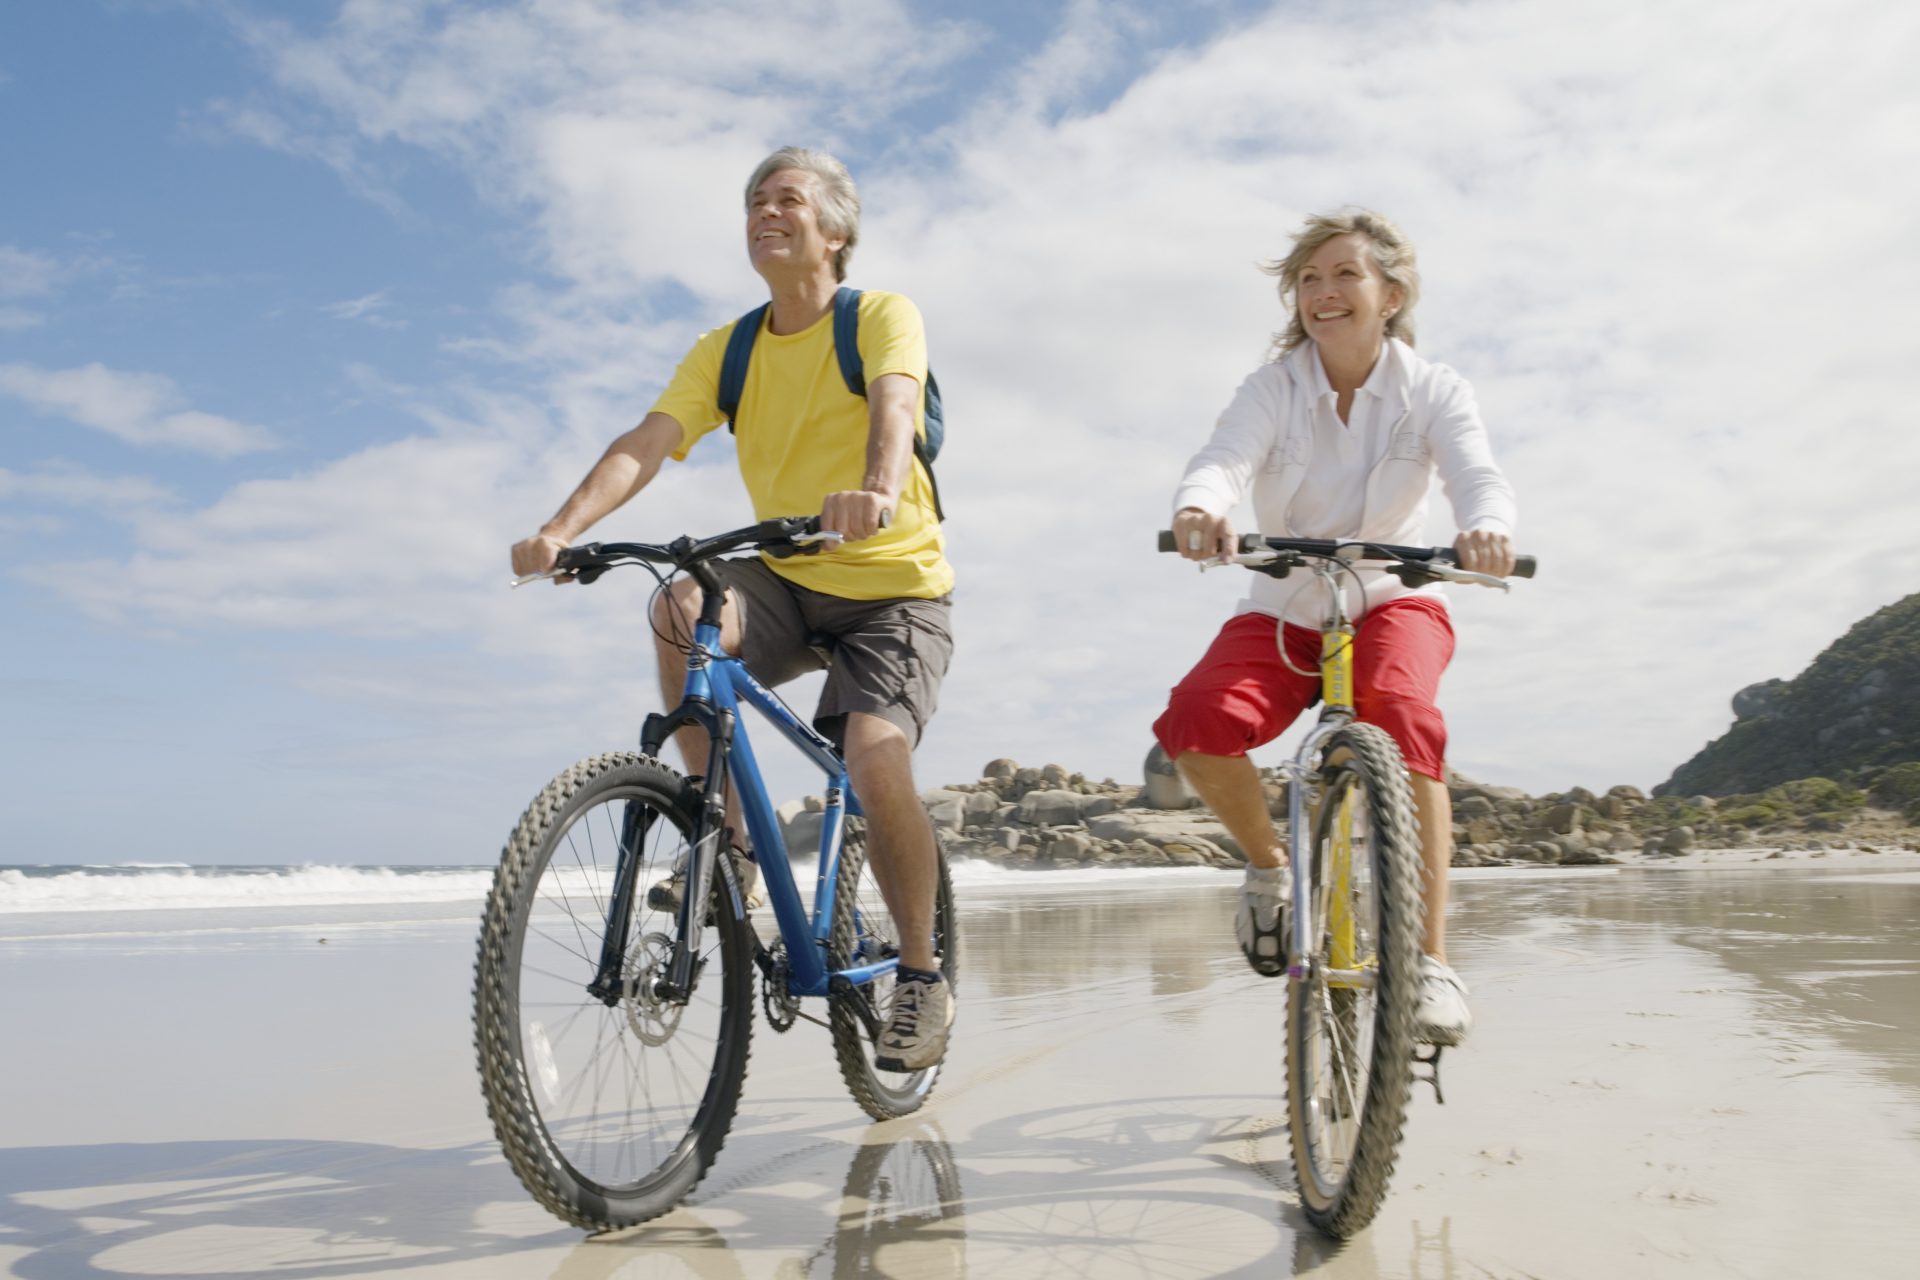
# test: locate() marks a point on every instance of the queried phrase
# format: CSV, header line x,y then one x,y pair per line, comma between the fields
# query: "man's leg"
x,y
900,840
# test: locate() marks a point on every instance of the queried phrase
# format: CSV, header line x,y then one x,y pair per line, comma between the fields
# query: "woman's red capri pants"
x,y
1242,696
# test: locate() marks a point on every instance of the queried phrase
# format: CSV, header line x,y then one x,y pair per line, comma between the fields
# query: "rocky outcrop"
x,y
1048,817
1853,712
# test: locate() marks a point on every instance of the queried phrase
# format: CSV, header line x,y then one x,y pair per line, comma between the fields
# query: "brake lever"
x,y
1452,574
1251,559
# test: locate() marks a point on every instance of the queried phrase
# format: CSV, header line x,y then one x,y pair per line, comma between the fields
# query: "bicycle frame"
x,y
1336,694
717,684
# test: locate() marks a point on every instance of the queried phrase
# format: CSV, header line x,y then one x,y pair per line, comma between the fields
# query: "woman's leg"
x,y
1230,786
1434,807
1400,652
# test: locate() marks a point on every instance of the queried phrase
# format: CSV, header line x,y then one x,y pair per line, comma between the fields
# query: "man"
x,y
807,443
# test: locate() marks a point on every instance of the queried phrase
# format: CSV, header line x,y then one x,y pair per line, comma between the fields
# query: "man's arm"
x,y
626,468
858,513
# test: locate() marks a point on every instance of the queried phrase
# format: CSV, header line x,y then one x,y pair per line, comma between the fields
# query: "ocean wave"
x,y
132,888
164,887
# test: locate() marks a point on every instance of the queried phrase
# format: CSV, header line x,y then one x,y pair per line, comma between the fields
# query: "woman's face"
x,y
1342,297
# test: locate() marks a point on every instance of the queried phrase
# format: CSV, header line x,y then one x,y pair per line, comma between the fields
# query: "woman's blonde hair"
x,y
1393,257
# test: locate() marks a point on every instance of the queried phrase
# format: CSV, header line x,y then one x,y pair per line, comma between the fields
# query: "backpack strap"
x,y
853,372
846,340
733,366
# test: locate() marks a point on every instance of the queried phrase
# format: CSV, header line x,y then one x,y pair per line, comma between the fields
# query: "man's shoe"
x,y
1443,1017
665,894
915,1037
1260,919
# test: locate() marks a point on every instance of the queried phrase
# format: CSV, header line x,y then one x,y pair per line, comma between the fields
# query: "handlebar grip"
x,y
573,558
1523,566
1166,540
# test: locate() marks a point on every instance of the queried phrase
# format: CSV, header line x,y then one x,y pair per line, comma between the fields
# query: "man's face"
x,y
783,226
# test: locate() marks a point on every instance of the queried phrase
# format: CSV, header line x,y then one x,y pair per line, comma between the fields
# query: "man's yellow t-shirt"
x,y
801,435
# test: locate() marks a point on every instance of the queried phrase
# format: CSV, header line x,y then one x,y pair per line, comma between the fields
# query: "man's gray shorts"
x,y
888,657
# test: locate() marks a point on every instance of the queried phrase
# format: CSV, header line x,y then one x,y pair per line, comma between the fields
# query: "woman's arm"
x,y
1481,497
1218,476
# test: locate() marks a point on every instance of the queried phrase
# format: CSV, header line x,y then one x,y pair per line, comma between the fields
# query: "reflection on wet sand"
x,y
1659,1060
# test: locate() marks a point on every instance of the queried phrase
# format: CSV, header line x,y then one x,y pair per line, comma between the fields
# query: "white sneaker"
x,y
916,1034
665,894
1443,1017
1260,919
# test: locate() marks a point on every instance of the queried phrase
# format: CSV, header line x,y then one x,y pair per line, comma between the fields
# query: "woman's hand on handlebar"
x,y
1485,551
1199,536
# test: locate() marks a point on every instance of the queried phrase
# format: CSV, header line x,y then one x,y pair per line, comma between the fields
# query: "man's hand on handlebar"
x,y
537,555
1199,536
1485,551
856,513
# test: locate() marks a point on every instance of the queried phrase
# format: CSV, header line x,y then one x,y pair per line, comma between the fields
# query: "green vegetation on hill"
x,y
1851,720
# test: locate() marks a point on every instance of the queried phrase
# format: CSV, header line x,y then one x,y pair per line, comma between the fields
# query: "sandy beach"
x,y
1695,1073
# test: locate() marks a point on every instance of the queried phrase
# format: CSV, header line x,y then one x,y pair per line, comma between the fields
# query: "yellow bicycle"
x,y
1353,952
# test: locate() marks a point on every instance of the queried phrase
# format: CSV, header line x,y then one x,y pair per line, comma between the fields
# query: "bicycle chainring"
x,y
783,1007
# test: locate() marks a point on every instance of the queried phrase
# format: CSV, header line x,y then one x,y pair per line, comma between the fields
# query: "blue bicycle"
x,y
612,1032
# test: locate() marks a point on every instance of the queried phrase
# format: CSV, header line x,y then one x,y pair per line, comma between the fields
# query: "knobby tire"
x,y
534,968
1341,1190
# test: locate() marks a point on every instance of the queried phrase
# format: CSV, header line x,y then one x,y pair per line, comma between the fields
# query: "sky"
x,y
308,311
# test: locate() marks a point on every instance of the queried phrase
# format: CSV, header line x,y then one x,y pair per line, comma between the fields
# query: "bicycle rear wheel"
x,y
609,1108
1350,1017
864,932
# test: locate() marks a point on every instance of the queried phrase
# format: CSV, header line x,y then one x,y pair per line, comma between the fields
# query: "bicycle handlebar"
x,y
780,537
1332,549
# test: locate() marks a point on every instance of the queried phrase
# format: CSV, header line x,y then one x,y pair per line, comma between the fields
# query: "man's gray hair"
x,y
839,199
1393,257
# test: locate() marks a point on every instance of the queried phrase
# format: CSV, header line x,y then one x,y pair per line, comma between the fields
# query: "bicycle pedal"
x,y
1431,1061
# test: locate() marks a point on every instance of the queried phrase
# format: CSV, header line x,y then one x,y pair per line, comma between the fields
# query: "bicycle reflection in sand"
x,y
900,1215
1159,1189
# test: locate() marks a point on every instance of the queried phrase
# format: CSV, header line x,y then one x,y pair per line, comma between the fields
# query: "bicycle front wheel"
x,y
1350,1016
863,933
609,1103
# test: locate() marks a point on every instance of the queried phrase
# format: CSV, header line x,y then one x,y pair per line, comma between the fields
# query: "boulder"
x,y
1050,808
1474,806
1165,788
1678,840
1001,770
1053,775
946,809
1069,846
981,806
1564,819
801,832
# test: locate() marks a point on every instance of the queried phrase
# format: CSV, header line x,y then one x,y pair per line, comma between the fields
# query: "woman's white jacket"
x,y
1264,441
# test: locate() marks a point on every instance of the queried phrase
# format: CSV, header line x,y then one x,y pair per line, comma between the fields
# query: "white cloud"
x,y
139,408
368,308
1676,278
25,274
63,485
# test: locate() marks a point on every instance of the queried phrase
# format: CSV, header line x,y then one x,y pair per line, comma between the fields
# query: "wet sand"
x,y
1674,1073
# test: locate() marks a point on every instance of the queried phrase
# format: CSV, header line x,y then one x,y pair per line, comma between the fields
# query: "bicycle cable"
x,y
1286,607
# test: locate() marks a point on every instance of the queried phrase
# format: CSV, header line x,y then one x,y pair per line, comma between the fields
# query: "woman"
x,y
1338,437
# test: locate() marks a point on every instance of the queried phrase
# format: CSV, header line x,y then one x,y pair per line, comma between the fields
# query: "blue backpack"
x,y
846,346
